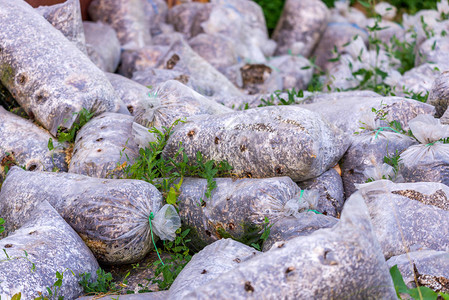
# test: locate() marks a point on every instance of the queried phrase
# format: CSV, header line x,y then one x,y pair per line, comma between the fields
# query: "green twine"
x,y
431,144
274,68
315,211
384,128
151,217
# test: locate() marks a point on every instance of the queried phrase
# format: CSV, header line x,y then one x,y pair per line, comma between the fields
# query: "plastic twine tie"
x,y
378,130
431,144
315,211
151,217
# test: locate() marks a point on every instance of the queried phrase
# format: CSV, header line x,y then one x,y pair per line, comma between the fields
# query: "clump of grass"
x,y
277,98
104,284
167,174
179,256
84,116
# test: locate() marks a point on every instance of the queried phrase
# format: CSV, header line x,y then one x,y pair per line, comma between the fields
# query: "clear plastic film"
x,y
166,222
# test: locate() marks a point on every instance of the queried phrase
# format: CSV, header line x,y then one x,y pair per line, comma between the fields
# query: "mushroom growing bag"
x,y
112,216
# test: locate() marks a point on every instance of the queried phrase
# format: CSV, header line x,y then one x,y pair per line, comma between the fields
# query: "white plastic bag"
x,y
385,10
379,172
173,100
428,129
166,222
305,199
364,158
428,161
407,216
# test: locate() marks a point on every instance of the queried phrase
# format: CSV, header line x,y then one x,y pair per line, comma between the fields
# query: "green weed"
x,y
179,257
418,293
167,174
421,97
266,233
102,285
84,116
404,52
316,84
9,258
276,98
394,161
54,290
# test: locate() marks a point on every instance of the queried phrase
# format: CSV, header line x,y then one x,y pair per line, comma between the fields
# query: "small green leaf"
x,y
398,281
50,144
426,293
172,196
256,246
7,256
364,4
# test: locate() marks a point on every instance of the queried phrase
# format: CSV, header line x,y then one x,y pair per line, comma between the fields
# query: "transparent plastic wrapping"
x,y
368,149
408,216
127,17
173,100
33,254
243,22
66,17
318,266
430,266
300,27
50,78
208,264
345,110
105,143
291,227
296,71
208,80
166,222
236,208
428,161
251,141
329,185
103,46
25,144
110,215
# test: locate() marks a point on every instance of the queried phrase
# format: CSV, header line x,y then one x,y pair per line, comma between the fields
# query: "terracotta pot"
x,y
84,4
